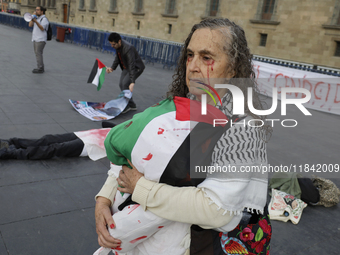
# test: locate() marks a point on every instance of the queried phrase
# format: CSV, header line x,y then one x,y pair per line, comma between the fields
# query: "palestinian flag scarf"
x,y
151,138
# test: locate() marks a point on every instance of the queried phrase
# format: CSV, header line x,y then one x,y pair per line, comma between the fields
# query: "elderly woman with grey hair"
x,y
227,211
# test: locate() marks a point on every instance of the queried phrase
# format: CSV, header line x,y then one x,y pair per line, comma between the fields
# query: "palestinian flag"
x,y
97,75
151,138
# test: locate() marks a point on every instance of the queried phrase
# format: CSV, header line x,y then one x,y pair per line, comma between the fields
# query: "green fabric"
x,y
286,182
101,78
122,138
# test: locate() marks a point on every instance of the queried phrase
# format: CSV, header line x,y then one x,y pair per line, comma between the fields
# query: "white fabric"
x,y
94,142
37,34
239,146
230,194
142,232
284,207
163,140
324,89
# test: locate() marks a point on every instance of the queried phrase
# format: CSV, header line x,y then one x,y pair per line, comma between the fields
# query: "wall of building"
x,y
299,34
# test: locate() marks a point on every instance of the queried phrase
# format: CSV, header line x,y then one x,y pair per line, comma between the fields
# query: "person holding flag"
x,y
130,62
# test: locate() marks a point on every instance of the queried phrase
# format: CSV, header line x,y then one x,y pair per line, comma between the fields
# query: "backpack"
x,y
49,31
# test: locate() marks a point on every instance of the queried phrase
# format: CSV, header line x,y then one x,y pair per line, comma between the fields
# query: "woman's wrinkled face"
x,y
206,61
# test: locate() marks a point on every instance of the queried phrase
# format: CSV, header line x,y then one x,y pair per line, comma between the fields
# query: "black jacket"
x,y
131,60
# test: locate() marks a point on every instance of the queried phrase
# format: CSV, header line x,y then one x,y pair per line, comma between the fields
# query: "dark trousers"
x,y
125,81
48,146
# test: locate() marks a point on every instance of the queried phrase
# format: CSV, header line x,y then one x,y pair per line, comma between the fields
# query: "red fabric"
x,y
100,64
121,61
187,109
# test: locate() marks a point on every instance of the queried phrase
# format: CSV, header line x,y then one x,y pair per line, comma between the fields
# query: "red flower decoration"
x,y
290,196
265,227
246,235
258,245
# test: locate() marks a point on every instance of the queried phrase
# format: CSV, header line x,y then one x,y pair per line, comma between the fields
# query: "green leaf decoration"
x,y
259,235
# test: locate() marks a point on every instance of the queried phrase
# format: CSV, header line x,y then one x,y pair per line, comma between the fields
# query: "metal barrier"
x,y
151,50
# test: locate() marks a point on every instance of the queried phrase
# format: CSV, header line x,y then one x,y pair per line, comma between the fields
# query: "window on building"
x,y
92,20
170,6
92,4
213,7
81,4
138,5
138,25
82,18
170,28
337,49
113,22
268,9
263,40
53,4
339,18
113,6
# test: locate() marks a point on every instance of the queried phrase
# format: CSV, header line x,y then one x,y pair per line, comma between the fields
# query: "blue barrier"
x,y
96,39
106,46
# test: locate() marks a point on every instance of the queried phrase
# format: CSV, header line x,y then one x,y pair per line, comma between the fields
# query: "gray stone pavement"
x,y
47,206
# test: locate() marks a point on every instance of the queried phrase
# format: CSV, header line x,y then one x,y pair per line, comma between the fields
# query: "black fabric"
x,y
48,146
128,201
108,124
130,58
309,193
49,31
198,147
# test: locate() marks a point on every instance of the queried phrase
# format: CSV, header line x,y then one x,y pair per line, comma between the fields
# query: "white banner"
x,y
324,89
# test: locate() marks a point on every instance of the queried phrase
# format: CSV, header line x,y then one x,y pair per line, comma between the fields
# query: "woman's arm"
x,y
109,189
185,204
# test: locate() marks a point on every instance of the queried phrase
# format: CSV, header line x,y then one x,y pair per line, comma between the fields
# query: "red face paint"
x,y
212,65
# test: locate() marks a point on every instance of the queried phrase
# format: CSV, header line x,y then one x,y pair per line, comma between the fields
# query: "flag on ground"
x,y
97,75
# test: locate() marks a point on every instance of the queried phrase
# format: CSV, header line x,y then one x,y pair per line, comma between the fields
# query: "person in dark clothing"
x,y
54,145
48,146
130,62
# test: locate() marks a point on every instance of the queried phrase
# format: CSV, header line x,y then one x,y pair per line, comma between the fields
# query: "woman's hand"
x,y
128,179
103,219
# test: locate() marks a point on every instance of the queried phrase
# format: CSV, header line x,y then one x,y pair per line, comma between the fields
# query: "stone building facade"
x,y
306,31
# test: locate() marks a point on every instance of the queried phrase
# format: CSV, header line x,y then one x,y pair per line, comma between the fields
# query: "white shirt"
x,y
37,34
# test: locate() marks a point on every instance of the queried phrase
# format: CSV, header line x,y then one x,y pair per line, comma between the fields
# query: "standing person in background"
x,y
39,36
131,64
